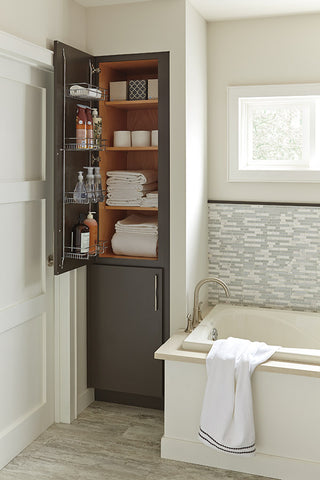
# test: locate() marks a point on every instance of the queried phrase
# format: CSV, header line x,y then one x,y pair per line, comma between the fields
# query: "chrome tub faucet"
x,y
197,317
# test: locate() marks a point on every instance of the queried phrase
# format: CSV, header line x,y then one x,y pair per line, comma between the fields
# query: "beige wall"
x,y
152,27
42,21
257,52
196,152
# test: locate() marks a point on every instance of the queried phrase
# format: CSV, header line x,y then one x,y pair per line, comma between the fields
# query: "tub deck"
x,y
173,350
286,411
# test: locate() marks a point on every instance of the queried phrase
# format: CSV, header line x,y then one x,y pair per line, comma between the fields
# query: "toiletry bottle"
x,y
90,185
93,230
80,238
89,130
80,193
81,121
97,185
97,127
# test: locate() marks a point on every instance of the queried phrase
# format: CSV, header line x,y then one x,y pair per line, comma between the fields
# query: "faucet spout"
x,y
196,308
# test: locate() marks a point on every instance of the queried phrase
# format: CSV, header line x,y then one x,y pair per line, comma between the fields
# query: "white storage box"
x,y
140,138
118,91
152,88
154,138
122,138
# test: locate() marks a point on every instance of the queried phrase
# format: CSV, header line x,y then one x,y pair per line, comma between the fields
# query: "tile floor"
x,y
107,441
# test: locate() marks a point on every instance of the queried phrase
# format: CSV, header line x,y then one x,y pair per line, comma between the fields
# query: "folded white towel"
x,y
140,231
149,202
138,224
153,194
133,176
132,187
123,195
227,422
134,244
141,221
133,193
123,203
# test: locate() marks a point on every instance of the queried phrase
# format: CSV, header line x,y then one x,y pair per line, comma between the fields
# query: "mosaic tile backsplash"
x,y
269,255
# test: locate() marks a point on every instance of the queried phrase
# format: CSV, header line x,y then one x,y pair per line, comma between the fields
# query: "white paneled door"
x,y
26,280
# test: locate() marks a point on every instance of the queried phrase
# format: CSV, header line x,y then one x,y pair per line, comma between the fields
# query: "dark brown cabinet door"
x,y
71,66
125,329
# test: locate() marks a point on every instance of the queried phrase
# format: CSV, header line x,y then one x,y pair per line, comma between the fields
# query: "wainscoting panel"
x,y
26,209
269,255
22,371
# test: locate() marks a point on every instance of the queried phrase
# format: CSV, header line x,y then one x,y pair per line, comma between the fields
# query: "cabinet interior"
x,y
125,115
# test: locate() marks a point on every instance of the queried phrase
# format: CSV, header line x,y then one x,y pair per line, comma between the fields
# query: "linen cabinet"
x,y
127,296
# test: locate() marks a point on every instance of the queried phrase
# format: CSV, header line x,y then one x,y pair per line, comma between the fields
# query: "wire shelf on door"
x,y
79,254
87,145
86,91
68,198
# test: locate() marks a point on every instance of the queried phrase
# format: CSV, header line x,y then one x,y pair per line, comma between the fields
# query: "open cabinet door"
x,y
71,66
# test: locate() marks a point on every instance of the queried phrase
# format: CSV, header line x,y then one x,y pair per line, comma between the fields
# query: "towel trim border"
x,y
225,448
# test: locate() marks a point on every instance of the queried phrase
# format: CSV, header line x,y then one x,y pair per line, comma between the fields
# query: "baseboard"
x,y
22,432
85,399
260,464
129,399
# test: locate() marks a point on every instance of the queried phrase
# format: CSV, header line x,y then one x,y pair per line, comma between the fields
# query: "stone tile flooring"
x,y
107,441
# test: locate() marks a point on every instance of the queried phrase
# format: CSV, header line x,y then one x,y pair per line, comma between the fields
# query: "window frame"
x,y
236,171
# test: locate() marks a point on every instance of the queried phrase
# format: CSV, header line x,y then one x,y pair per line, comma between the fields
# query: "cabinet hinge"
x,y
94,69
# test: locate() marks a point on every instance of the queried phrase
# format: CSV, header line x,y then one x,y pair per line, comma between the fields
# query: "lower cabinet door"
x,y
125,329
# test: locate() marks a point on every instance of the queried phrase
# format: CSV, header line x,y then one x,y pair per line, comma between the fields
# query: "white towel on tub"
x,y
227,422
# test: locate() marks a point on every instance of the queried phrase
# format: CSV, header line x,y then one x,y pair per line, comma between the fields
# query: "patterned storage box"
x,y
137,89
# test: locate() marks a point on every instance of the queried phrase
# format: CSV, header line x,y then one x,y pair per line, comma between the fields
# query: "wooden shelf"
x,y
112,255
131,149
133,104
141,209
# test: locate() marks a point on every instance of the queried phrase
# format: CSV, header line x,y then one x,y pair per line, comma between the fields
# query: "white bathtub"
x,y
286,392
298,333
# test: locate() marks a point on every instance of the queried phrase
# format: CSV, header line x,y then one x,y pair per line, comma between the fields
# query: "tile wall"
x,y
269,255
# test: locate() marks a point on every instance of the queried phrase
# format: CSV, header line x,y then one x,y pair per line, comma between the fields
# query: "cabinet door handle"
x,y
156,293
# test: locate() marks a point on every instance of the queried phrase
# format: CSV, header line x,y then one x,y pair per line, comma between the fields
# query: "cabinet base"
x,y
129,399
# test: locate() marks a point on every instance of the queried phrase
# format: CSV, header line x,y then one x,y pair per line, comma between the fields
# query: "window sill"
x,y
271,176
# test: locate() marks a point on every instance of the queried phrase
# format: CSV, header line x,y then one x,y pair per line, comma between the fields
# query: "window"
x,y
273,133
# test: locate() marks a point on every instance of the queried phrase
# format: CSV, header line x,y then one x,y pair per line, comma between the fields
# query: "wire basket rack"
x,y
86,91
86,253
74,144
91,198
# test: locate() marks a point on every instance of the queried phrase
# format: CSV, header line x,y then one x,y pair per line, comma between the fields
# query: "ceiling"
x,y
213,10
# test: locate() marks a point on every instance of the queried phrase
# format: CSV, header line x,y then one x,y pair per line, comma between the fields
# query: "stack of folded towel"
x,y
127,188
150,200
136,235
